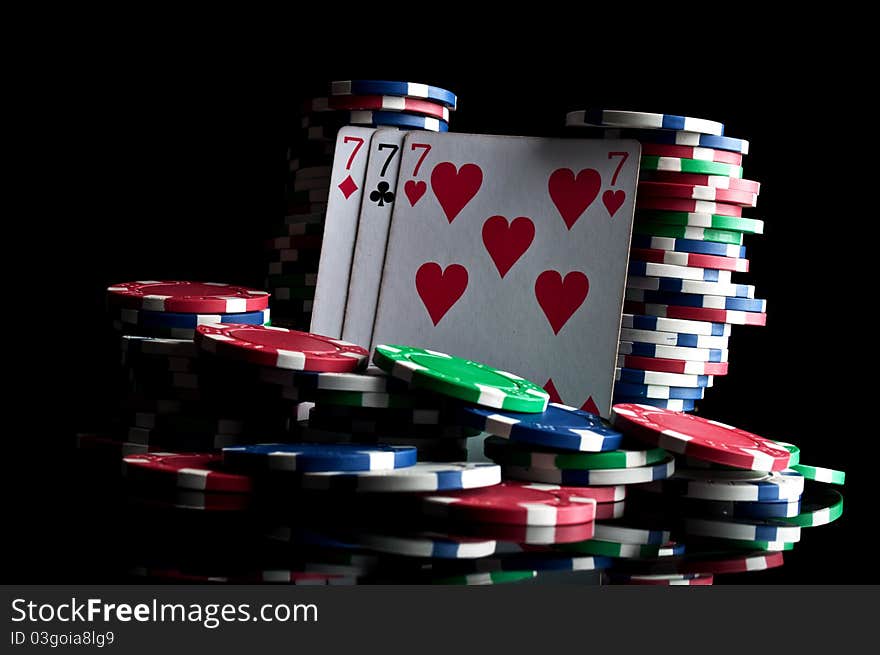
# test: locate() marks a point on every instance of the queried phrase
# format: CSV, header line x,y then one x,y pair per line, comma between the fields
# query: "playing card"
x,y
513,251
378,200
340,229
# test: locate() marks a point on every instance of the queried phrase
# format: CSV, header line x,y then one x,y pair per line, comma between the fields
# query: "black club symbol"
x,y
382,195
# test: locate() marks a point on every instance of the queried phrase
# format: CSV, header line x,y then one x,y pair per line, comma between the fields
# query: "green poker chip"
x,y
795,453
655,229
676,165
487,578
819,474
511,453
819,506
770,546
691,219
461,378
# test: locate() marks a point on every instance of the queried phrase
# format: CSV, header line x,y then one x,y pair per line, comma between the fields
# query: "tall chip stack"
x,y
687,242
294,246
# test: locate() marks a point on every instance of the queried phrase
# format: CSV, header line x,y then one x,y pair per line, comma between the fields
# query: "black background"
x,y
168,164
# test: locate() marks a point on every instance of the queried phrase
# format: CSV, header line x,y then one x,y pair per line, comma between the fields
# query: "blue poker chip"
x,y
660,324
639,376
674,138
559,426
146,318
740,509
651,349
688,245
672,404
657,391
642,120
310,458
697,300
391,88
676,339
674,285
644,269
536,561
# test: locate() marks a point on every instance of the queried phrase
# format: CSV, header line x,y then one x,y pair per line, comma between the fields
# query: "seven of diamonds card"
x,y
513,251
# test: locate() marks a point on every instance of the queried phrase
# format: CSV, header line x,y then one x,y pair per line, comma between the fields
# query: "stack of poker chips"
x,y
687,241
294,246
171,399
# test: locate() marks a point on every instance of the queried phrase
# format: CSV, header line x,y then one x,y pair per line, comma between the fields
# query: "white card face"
x,y
380,195
513,251
340,229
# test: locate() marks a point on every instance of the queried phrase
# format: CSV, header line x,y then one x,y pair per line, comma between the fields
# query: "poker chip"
x,y
650,269
741,530
691,152
170,320
675,404
678,165
697,579
771,546
675,231
672,365
739,564
461,378
624,550
389,88
648,189
394,119
691,246
319,457
535,535
673,285
573,477
682,205
694,179
675,325
202,472
514,502
507,452
429,545
697,300
819,474
795,454
699,437
819,506
625,532
410,416
732,485
187,297
487,578
682,138
559,426
696,313
608,511
689,259
673,339
282,348
157,347
739,509
423,476
379,102
633,390
694,219
537,561
671,352
658,377
643,121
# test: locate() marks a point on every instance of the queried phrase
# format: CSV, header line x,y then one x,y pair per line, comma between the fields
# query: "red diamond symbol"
x,y
348,187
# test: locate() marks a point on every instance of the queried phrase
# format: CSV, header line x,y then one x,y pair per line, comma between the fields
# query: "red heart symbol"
x,y
572,195
507,243
554,394
590,406
613,200
455,188
439,289
560,299
414,191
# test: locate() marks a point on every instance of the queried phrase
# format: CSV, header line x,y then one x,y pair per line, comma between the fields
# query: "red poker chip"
x,y
673,365
693,192
696,313
519,503
698,179
699,579
682,205
739,564
386,103
696,260
692,152
187,297
686,434
608,511
199,471
536,535
281,348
